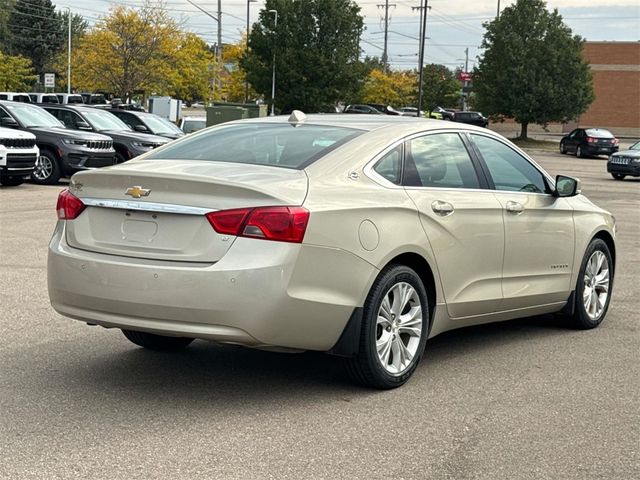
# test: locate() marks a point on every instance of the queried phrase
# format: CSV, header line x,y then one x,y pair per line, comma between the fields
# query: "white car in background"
x,y
18,155
192,124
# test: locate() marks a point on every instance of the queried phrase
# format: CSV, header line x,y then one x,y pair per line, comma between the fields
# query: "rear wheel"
x,y
618,176
47,171
8,181
156,342
579,153
394,330
593,291
563,150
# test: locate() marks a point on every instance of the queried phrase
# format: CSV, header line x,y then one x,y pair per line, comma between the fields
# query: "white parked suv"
x,y
18,156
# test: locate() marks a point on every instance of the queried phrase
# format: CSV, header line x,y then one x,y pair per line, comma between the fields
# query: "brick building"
x,y
616,82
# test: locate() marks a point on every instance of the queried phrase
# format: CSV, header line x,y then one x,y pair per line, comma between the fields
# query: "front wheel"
x,y
595,282
156,342
47,170
563,150
395,324
579,153
618,176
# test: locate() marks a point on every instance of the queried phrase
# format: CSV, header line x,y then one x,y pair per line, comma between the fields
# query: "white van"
x,y
43,97
69,98
15,97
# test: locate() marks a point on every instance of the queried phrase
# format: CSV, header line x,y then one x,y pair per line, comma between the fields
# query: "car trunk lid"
x,y
155,209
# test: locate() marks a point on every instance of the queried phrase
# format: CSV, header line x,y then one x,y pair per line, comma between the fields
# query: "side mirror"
x,y
141,128
567,186
83,126
9,122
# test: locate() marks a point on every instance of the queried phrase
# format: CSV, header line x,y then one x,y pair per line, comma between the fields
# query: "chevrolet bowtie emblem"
x,y
137,192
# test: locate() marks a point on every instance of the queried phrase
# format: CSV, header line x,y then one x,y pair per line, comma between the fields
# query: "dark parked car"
x,y
589,141
148,123
446,114
472,118
366,109
625,163
126,142
62,151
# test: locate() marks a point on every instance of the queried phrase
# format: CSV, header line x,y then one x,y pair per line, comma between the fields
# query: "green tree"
x,y
6,6
16,73
532,69
316,46
35,32
440,87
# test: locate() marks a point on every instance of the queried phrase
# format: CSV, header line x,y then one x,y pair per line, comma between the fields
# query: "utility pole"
x,y
465,106
218,20
385,51
498,14
423,34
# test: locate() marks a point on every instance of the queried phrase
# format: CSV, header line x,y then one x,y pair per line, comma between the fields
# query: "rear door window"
x,y
441,161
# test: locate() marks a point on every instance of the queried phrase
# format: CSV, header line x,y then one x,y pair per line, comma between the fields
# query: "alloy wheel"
x,y
596,285
43,168
399,328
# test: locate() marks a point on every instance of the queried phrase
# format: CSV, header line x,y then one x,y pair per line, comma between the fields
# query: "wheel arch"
x,y
348,344
608,239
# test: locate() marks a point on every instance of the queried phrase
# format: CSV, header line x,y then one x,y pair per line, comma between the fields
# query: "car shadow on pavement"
x,y
225,375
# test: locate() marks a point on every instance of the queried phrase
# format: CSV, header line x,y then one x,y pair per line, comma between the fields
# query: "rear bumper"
x,y
599,150
262,294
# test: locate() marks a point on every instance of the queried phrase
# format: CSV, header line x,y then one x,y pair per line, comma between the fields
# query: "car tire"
x,y
119,158
579,153
563,150
395,325
156,342
594,286
618,176
47,171
7,181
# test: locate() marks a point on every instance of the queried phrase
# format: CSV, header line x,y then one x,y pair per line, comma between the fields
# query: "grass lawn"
x,y
536,144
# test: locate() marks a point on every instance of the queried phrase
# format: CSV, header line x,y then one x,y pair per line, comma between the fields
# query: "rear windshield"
x,y
279,145
599,133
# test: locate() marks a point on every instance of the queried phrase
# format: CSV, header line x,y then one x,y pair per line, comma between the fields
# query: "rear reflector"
x,y
282,224
69,206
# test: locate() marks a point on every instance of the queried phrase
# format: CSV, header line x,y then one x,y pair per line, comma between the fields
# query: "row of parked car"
x,y
439,113
59,98
48,141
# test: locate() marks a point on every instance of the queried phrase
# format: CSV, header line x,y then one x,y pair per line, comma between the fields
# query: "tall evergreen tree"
x,y
35,32
532,69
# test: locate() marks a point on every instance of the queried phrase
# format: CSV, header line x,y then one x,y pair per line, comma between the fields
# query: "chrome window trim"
x,y
145,206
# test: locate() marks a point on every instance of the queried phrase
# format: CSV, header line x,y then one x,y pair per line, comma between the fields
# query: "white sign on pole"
x,y
49,80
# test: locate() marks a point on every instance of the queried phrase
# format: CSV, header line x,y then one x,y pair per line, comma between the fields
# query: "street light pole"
x,y
273,75
69,52
246,81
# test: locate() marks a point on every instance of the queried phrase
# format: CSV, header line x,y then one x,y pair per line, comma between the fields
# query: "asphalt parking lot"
x,y
526,399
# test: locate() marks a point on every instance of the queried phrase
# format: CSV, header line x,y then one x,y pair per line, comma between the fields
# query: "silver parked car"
x,y
362,236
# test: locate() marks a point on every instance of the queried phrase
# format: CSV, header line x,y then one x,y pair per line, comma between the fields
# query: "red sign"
x,y
464,77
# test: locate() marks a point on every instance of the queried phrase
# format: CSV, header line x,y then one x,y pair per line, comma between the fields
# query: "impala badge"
x,y
137,192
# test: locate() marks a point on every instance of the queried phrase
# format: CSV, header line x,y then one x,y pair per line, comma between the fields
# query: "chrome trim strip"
x,y
145,206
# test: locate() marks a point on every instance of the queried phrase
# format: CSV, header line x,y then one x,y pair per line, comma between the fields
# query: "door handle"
x,y
442,208
514,207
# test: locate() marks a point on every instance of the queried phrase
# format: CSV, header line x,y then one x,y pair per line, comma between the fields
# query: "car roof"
x,y
369,122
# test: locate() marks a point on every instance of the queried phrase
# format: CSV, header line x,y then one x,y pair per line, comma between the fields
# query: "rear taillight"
x,y
282,224
69,206
592,140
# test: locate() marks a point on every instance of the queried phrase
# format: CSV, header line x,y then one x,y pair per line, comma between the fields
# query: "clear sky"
x,y
452,25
